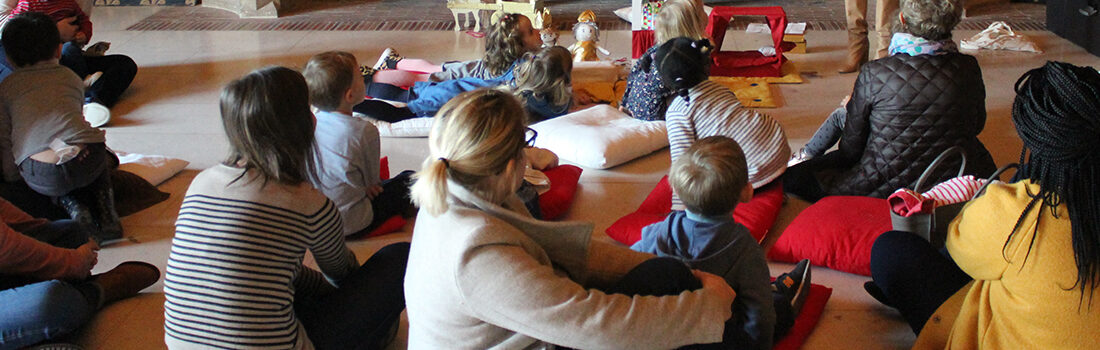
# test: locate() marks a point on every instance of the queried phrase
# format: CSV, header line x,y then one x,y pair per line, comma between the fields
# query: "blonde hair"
x,y
329,76
679,18
474,137
546,75
710,176
504,44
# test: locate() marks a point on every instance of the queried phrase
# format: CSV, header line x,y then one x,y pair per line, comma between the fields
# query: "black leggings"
x,y
118,73
382,110
915,277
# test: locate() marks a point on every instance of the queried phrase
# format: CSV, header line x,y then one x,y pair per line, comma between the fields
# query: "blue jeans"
x,y
45,310
35,311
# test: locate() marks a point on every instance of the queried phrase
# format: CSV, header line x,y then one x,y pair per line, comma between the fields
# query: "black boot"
x,y
77,210
110,226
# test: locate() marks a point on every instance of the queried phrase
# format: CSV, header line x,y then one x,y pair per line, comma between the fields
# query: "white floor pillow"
x,y
152,168
600,137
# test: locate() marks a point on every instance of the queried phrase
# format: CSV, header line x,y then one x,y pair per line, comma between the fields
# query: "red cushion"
x,y
757,215
393,223
836,232
563,187
807,320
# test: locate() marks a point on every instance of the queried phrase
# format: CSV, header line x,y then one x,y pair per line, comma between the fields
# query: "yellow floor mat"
x,y
754,92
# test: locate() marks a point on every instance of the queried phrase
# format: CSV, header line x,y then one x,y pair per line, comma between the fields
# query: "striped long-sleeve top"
x,y
712,109
236,262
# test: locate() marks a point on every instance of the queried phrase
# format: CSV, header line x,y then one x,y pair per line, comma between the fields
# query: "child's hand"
x,y
715,284
373,191
97,49
89,256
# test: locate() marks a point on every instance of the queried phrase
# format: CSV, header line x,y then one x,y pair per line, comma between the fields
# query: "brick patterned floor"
x,y
421,15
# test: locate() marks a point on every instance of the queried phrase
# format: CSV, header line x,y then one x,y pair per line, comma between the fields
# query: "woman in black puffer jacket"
x,y
905,110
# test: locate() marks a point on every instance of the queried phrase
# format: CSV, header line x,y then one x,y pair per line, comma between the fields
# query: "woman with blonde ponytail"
x,y
483,273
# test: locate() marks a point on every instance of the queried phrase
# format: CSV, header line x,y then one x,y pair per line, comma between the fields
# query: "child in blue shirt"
x,y
711,178
348,147
541,80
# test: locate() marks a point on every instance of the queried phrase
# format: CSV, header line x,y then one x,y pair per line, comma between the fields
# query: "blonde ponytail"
x,y
475,136
429,192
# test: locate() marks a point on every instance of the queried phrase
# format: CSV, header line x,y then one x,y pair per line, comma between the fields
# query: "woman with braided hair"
x,y
1035,277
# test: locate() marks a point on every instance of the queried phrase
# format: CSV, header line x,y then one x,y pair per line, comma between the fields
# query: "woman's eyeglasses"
x,y
530,135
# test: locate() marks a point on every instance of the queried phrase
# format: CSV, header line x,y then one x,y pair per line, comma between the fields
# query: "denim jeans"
x,y
34,311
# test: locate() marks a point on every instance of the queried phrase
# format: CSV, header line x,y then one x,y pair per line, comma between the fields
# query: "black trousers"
x,y
363,310
915,277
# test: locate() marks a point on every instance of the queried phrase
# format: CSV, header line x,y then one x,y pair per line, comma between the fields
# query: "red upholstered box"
x,y
757,215
836,232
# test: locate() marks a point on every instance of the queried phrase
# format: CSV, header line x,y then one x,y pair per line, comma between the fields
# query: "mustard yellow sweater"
x,y
1013,303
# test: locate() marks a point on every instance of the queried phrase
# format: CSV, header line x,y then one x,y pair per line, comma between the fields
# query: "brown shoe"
x,y
857,52
124,281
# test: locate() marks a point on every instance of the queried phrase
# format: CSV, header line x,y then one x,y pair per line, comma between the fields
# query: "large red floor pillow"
x,y
757,215
563,188
393,223
836,232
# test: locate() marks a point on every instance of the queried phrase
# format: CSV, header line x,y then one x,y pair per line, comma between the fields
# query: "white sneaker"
x,y
799,157
388,60
96,114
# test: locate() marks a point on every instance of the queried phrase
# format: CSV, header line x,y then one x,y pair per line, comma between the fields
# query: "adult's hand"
x,y
715,284
373,191
89,256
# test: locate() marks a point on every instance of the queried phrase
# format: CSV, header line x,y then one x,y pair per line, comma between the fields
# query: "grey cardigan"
x,y
483,276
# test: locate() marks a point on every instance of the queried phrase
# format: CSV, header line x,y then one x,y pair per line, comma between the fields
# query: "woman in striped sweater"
x,y
235,277
704,108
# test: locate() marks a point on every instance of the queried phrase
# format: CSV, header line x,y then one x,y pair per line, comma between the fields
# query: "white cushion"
x,y
600,137
415,127
155,169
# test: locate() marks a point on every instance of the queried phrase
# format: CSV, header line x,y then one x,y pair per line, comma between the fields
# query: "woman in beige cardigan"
x,y
483,274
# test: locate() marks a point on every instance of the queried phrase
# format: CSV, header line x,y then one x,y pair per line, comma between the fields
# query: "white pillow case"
x,y
415,127
155,169
600,137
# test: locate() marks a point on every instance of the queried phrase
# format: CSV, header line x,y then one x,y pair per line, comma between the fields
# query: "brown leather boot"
x,y
857,52
124,281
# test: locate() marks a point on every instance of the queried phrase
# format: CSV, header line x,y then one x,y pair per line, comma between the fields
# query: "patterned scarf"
x,y
914,45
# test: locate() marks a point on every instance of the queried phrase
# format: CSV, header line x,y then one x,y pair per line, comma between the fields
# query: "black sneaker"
x,y
795,285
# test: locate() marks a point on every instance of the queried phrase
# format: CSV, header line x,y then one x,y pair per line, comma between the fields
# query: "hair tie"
x,y
446,164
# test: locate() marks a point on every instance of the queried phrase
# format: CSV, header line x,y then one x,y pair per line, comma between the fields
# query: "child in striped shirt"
x,y
704,108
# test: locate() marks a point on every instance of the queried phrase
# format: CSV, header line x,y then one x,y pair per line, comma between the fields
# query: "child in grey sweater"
x,y
711,178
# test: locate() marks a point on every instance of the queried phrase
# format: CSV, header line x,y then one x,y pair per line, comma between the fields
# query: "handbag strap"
x,y
996,175
936,164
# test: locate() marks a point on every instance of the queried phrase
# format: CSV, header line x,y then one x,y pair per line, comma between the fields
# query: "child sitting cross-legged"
x,y
711,178
704,108
348,147
541,80
44,137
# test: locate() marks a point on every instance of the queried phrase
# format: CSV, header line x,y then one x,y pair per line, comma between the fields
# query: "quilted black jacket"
x,y
904,111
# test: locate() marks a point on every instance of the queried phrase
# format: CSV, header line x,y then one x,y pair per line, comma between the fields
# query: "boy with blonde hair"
x,y
711,178
348,147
